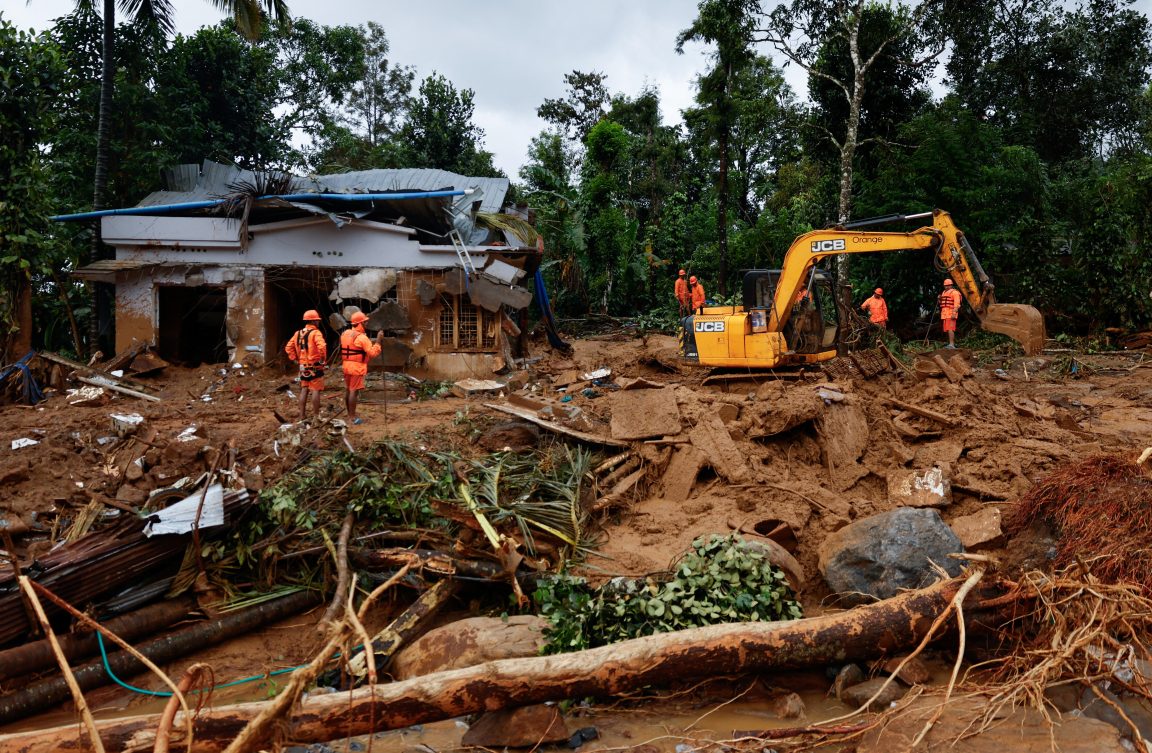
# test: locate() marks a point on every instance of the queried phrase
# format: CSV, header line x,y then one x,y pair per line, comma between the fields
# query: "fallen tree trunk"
x,y
44,694
882,628
37,655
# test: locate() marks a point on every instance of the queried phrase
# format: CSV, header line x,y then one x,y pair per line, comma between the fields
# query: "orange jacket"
x,y
877,309
950,304
307,346
356,350
697,296
682,291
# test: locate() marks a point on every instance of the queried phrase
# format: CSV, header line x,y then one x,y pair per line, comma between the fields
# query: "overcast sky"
x,y
512,53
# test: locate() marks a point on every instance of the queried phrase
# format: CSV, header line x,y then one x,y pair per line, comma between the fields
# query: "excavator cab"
x,y
814,323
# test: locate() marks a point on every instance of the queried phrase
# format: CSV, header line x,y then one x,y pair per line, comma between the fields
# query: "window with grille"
x,y
465,326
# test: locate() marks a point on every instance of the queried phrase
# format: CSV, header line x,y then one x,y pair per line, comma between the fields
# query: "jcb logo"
x,y
709,326
833,245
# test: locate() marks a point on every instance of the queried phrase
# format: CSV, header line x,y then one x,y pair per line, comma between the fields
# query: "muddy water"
x,y
659,725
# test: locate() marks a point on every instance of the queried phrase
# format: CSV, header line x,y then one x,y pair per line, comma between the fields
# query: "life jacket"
x,y
348,351
949,301
303,341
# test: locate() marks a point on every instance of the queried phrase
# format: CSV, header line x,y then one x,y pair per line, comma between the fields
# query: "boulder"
x,y
465,643
881,554
525,727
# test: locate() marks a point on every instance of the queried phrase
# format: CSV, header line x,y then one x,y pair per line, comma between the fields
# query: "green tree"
x,y
730,26
31,76
1066,82
549,187
439,131
583,106
221,94
610,232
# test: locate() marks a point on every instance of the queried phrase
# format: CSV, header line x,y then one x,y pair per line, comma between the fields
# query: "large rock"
x,y
881,554
466,643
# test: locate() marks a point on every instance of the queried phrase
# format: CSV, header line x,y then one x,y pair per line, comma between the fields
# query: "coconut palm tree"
x,y
160,14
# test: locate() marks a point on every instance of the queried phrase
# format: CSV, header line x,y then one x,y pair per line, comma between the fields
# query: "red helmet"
x,y
359,317
879,291
311,315
692,278
682,272
947,283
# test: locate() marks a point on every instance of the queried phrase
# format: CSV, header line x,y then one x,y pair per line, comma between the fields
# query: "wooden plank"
x,y
108,384
77,366
531,417
924,412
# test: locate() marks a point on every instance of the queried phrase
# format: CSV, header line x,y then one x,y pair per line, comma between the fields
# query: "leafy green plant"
x,y
722,579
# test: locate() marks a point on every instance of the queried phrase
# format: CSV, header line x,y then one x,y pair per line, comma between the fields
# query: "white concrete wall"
x,y
312,242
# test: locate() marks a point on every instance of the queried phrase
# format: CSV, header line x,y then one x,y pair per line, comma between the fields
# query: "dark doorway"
x,y
288,293
192,325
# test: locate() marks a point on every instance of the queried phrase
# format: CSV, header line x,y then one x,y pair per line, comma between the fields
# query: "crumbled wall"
x,y
137,305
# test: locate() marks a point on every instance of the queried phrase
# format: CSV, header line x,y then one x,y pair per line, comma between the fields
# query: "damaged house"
x,y
221,267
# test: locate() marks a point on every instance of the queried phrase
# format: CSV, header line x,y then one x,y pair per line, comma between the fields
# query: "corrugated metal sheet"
x,y
211,180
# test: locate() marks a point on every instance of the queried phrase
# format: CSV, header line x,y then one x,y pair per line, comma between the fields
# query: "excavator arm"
x,y
953,256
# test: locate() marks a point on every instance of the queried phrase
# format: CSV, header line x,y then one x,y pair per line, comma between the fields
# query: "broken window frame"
x,y
462,326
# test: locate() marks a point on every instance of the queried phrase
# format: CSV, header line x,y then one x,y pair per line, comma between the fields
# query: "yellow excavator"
x,y
790,318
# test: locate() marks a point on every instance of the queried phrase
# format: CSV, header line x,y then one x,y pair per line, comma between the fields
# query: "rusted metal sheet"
x,y
99,565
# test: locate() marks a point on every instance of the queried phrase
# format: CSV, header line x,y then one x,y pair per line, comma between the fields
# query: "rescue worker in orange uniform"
x,y
697,295
356,350
683,297
308,348
877,309
949,302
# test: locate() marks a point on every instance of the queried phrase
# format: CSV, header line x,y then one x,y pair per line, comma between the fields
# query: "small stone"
x,y
131,495
728,412
524,727
914,672
849,675
979,530
788,706
931,487
858,695
583,735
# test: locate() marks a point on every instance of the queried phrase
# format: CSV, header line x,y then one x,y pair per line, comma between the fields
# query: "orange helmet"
x,y
359,317
879,291
682,273
311,315
692,278
947,283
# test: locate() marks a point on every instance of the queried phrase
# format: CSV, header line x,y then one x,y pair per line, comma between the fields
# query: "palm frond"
x,y
508,223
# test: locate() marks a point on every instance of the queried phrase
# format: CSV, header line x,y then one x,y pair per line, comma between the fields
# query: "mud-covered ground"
x,y
786,452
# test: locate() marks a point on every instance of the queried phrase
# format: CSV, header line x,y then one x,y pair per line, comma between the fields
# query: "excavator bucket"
x,y
1021,322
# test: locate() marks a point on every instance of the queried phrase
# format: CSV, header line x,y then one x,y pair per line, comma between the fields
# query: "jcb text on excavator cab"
x,y
789,316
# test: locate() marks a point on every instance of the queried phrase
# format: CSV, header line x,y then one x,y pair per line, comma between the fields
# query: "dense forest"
x,y
1029,120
